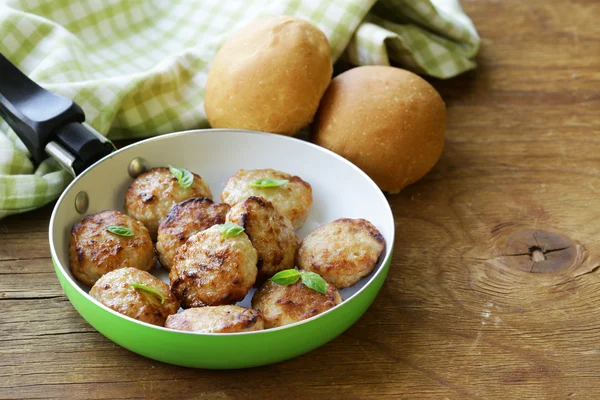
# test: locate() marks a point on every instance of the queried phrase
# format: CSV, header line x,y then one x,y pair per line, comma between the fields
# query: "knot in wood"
x,y
539,251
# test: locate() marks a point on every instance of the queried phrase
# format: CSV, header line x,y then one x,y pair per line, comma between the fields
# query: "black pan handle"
x,y
48,124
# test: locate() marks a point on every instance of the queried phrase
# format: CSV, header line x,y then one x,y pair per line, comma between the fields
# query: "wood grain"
x,y
457,318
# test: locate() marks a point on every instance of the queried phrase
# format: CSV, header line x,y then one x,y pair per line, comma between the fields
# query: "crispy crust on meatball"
x,y
152,194
114,290
184,220
217,319
284,305
211,270
342,252
94,251
271,234
293,200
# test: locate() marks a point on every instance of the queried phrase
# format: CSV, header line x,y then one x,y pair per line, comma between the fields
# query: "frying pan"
x,y
51,125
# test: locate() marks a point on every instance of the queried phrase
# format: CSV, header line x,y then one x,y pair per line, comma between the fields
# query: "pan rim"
x,y
389,246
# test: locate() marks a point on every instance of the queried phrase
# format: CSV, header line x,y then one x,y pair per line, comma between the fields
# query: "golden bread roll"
x,y
388,121
269,76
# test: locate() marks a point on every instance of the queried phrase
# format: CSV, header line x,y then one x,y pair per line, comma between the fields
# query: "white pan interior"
x,y
340,189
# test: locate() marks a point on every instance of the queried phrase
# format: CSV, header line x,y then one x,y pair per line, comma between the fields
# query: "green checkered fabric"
x,y
138,68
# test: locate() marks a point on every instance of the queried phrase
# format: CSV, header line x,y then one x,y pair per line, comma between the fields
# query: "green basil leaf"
x,y
314,281
229,229
149,290
267,183
184,177
119,230
187,180
286,277
176,172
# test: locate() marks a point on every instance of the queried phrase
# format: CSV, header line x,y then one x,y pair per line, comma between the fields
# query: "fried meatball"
x,y
342,252
94,250
210,270
115,291
152,194
293,199
284,305
185,219
271,234
217,319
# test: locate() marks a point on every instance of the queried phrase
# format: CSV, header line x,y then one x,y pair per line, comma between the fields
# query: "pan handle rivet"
x,y
82,202
136,167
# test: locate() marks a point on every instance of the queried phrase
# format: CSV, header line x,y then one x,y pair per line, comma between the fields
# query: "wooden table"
x,y
492,291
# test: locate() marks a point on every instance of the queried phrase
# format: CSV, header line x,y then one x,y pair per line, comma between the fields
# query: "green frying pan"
x,y
52,125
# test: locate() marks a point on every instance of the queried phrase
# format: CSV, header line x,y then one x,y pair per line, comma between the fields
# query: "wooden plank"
x,y
36,221
28,279
24,245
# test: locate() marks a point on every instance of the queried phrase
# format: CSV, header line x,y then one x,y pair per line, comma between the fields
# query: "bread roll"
x,y
388,121
269,76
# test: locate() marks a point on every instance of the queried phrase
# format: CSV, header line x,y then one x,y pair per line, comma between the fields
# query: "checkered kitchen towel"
x,y
138,67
